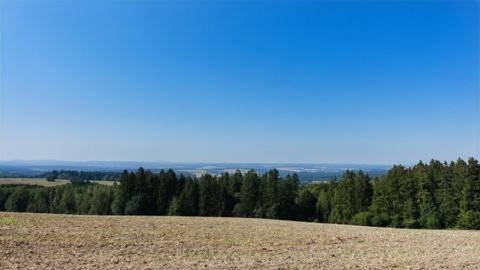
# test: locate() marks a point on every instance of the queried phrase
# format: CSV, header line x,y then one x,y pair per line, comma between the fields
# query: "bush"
x,y
18,200
396,221
469,220
380,220
432,222
135,206
362,218
411,223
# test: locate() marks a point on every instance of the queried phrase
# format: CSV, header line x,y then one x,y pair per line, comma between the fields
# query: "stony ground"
x,y
42,241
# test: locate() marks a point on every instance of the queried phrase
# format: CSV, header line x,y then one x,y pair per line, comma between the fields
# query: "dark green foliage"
x,y
380,203
166,191
67,201
18,200
288,192
353,194
101,200
136,205
5,193
270,198
39,201
51,176
323,206
362,218
228,197
82,175
433,195
248,195
187,202
210,196
306,205
469,220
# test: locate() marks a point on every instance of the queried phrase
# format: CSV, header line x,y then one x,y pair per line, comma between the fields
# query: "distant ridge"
x,y
306,171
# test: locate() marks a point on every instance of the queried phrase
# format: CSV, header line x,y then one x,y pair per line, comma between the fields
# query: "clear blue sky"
x,y
335,82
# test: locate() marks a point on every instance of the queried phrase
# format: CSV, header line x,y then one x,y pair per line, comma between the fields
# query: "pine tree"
x,y
288,192
409,194
394,178
380,203
210,199
187,202
323,206
344,200
235,185
469,217
428,209
166,190
306,205
18,200
270,194
363,192
123,193
447,209
228,198
38,202
248,195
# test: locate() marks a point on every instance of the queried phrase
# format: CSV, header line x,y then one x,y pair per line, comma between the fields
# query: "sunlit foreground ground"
x,y
43,241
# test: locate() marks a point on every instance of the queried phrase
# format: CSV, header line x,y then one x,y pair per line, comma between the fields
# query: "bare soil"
x,y
45,241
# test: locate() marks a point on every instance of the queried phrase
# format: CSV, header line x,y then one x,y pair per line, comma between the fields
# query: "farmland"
x,y
43,182
45,241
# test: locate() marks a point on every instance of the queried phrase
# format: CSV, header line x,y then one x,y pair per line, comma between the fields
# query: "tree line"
x,y
79,176
433,195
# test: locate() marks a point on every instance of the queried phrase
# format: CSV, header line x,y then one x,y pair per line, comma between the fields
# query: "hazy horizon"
x,y
229,82
54,161
60,161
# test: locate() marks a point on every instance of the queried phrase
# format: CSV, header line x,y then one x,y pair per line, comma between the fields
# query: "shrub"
x,y
469,220
362,218
135,206
380,220
18,200
411,223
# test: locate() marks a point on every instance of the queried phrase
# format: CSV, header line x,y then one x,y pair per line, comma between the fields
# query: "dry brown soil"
x,y
44,241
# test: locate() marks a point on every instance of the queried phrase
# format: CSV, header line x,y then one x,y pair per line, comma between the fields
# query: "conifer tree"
x,y
210,198
248,195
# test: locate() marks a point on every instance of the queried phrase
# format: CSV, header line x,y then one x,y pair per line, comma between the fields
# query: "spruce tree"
x,y
248,195
210,197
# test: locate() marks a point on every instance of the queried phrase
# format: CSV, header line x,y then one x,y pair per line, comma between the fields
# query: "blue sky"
x,y
333,82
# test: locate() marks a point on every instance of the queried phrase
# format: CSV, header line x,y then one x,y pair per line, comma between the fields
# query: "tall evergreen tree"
x,y
187,202
248,195
210,198
323,206
447,209
409,194
427,205
344,200
271,204
288,192
469,217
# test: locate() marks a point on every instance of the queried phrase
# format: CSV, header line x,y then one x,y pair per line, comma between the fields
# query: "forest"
x,y
435,195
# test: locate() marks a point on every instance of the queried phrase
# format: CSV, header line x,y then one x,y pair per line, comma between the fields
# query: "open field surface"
x,y
45,241
43,182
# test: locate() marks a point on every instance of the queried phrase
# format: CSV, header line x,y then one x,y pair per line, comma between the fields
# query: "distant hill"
x,y
307,172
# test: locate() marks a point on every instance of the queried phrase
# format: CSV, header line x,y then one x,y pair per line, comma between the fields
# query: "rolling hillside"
x,y
44,241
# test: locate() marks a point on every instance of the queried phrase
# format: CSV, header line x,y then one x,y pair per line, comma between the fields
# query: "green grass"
x,y
9,221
